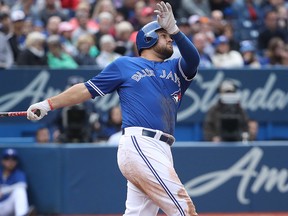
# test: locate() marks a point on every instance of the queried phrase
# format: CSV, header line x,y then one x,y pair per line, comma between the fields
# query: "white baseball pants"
x,y
147,164
16,204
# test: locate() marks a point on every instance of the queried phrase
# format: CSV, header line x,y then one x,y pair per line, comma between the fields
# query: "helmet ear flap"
x,y
148,39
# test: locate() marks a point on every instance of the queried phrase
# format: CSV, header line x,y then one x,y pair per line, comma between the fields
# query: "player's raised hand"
x,y
43,107
165,17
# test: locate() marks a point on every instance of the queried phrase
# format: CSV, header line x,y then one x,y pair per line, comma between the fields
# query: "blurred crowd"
x,y
79,33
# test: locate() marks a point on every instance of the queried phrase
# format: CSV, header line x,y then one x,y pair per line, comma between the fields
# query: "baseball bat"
x,y
17,113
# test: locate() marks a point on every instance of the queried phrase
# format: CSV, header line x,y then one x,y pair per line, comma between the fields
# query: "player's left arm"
x,y
190,56
190,59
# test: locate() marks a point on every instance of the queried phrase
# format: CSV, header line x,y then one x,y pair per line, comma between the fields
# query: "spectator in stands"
x,y
52,26
42,135
83,27
184,26
40,4
76,123
217,22
83,8
50,9
283,17
38,25
70,6
272,4
107,53
27,26
201,8
224,6
65,31
13,186
34,52
84,45
276,53
247,10
6,55
112,125
29,8
127,9
7,3
195,25
249,55
253,128
200,42
146,16
135,21
205,27
123,31
224,57
17,37
270,30
56,57
5,23
103,6
228,32
106,26
226,120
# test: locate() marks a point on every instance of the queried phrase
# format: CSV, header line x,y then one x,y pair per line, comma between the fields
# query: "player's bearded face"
x,y
164,51
164,47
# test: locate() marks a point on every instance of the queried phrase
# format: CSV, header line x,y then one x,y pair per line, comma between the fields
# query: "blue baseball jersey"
x,y
16,176
150,92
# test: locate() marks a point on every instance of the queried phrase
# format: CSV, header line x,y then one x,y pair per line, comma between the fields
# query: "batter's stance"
x,y
150,91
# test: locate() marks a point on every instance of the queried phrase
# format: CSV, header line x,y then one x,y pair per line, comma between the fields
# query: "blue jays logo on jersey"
x,y
177,96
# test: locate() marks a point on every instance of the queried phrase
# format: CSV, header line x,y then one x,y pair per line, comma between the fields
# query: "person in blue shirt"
x,y
150,88
13,192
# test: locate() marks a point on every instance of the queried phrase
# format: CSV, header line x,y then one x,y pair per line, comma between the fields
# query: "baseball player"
x,y
13,186
150,91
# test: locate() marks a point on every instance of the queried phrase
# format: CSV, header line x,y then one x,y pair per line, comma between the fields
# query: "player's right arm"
x,y
71,96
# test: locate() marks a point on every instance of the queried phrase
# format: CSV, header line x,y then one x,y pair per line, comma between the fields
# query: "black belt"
x,y
164,138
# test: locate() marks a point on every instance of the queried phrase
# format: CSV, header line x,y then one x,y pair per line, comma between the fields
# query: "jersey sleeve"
x,y
190,59
109,79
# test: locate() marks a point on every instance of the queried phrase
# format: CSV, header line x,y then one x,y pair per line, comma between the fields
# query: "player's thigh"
x,y
166,190
20,201
150,168
7,207
138,203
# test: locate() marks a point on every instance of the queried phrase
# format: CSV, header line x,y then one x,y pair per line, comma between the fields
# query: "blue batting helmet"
x,y
147,36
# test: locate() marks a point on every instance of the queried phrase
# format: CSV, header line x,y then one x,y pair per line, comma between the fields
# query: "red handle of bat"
x,y
20,113
11,114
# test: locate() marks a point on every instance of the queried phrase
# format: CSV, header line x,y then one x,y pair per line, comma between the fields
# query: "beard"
x,y
163,51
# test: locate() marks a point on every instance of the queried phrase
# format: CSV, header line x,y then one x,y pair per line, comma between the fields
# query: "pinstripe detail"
x,y
95,88
145,159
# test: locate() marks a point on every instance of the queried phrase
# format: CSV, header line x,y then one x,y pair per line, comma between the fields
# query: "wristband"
x,y
50,104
